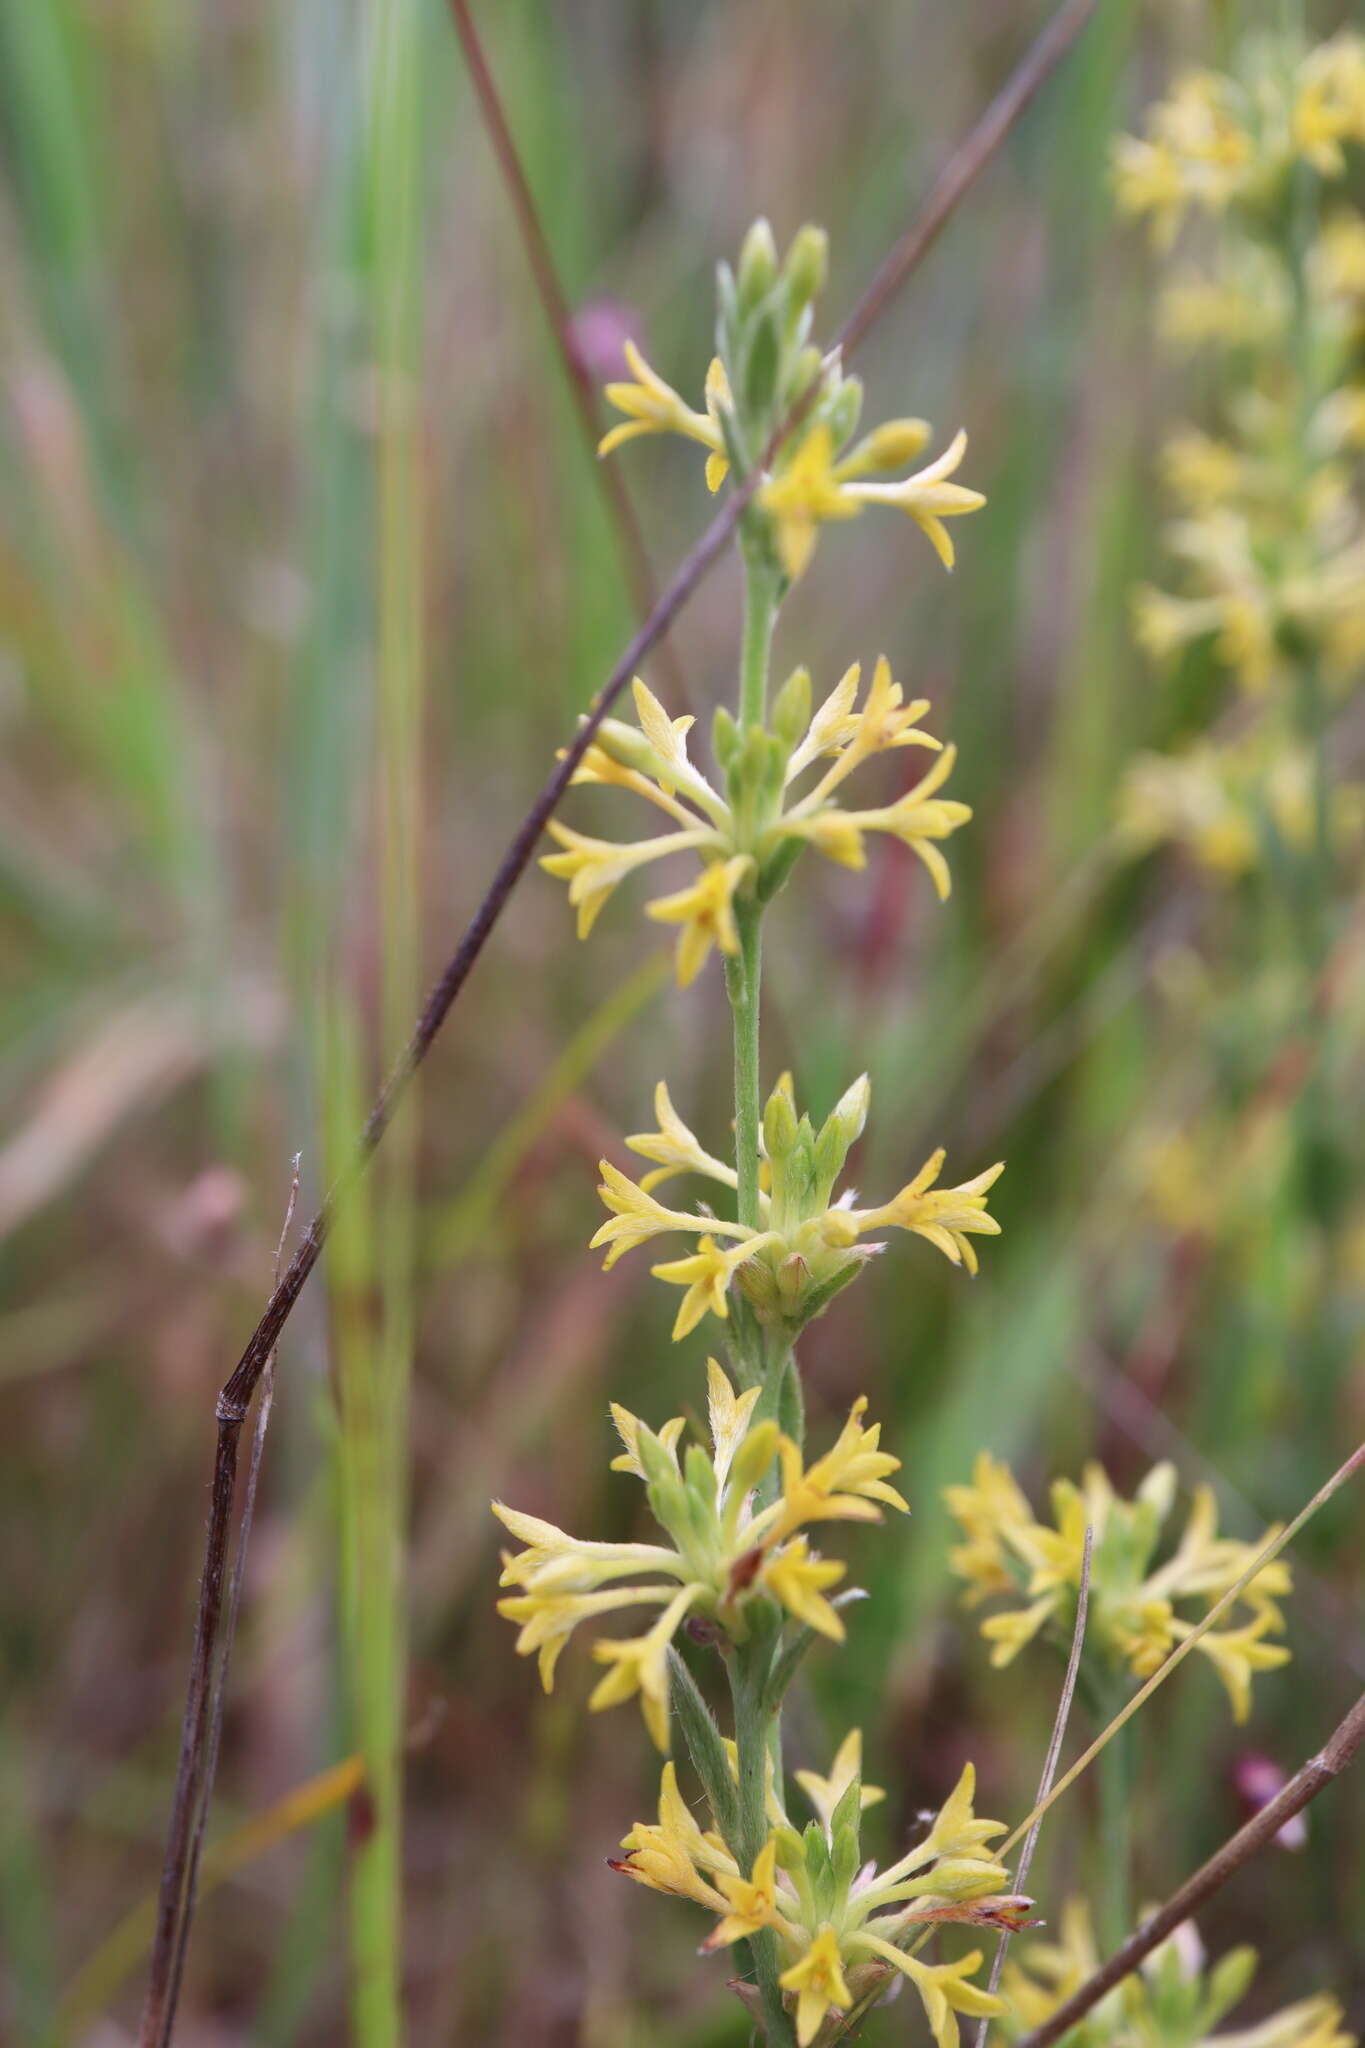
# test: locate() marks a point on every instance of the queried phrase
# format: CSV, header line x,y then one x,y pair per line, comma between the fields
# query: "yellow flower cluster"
x,y
728,1550
813,483
840,1922
1234,139
1174,2001
808,1246
746,840
1218,800
1134,1613
1268,516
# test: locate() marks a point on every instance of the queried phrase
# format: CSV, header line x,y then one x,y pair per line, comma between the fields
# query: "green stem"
x,y
1115,1772
742,985
755,1732
760,614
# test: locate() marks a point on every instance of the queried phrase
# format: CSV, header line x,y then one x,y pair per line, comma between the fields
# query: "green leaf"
x,y
704,1746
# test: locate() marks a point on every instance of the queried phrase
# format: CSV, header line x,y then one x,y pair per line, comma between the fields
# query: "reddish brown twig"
x,y
559,318
1319,1772
192,1785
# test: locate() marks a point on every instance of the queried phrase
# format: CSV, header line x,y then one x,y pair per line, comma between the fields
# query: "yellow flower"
x,y
818,1981
946,1217
675,1148
1147,180
917,819
884,721
640,1664
799,1578
666,1857
706,1275
991,1507
706,913
942,1987
802,496
928,497
824,1794
628,1429
593,868
1134,1609
844,1485
729,1415
549,1619
813,488
1236,1654
653,407
1330,107
636,1217
752,1901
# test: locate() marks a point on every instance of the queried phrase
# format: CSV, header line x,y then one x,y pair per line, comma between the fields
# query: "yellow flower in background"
x,y
706,913
1175,1995
1135,1617
818,1981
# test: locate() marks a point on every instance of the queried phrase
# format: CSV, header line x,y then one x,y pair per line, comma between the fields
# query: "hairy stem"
x,y
755,1731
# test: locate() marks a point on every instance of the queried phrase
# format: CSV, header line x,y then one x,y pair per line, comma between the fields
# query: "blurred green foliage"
x,y
197,598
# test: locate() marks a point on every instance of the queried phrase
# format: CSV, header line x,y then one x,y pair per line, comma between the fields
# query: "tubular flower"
x,y
818,1981
814,488
653,407
745,844
1174,2001
705,1276
706,913
945,1217
809,1247
840,1923
1134,1605
724,1552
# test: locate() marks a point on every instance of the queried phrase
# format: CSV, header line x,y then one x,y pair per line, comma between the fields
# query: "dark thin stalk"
x,y
218,1689
1319,1772
192,1782
559,319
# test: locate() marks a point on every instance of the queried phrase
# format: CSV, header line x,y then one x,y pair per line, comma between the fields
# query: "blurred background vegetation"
x,y
304,575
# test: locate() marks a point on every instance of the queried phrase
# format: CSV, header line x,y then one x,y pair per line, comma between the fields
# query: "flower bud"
x,y
754,1456
807,265
896,442
724,738
791,712
779,1122
757,265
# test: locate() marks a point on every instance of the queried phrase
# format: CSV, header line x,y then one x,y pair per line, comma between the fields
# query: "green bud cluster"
x,y
763,327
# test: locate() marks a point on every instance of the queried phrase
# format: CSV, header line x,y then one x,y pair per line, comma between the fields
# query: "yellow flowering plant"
x,y
1174,2001
1135,1605
1249,169
745,1518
